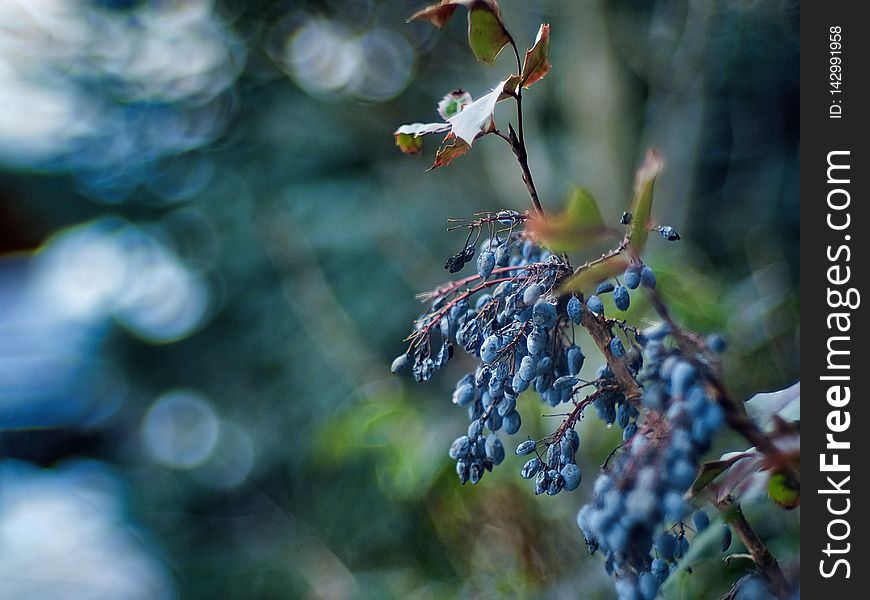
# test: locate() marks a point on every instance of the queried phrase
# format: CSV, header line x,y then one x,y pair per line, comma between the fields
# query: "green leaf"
x,y
595,274
453,103
580,226
583,209
784,491
486,32
536,63
785,404
409,143
641,205
409,137
448,152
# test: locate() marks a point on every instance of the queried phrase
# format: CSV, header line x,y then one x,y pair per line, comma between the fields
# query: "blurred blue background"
x,y
209,248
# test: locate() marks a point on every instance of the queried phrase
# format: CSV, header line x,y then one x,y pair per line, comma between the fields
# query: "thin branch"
x,y
764,560
518,141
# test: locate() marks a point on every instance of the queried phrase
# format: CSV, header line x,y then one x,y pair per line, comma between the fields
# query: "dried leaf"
x,y
641,205
437,14
537,63
448,152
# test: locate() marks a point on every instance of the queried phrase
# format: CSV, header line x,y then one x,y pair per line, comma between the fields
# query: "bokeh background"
x,y
209,248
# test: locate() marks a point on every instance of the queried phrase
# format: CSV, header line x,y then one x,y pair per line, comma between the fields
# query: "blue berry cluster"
x,y
637,517
511,318
554,469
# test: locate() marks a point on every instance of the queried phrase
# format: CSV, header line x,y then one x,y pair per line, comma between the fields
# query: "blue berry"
x,y
532,293
605,287
622,415
536,341
573,437
621,298
519,384
541,482
669,233
682,377
665,545
700,520
459,448
465,394
555,482
660,569
648,277
528,368
494,449
544,314
716,343
648,585
502,255
526,447
570,476
682,474
726,538
490,349
631,277
462,471
400,363
512,422
507,405
617,348
595,305
565,382
682,547
475,472
574,357
531,468
566,451
674,507
574,309
553,451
